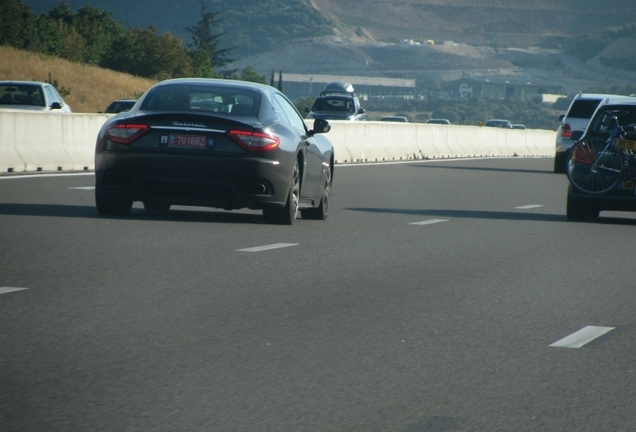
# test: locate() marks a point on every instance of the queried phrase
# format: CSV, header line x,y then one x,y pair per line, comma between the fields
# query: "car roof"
x,y
217,82
336,96
596,95
23,83
618,100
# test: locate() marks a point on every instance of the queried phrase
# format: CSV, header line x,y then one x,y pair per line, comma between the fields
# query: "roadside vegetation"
x,y
91,88
92,36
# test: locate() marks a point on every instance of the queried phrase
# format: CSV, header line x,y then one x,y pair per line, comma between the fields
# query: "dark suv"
x,y
623,196
337,102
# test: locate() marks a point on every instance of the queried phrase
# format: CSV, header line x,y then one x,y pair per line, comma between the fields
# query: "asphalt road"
x,y
428,301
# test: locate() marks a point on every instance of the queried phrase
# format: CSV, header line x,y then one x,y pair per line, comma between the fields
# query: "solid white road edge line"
x,y
359,164
585,335
4,290
83,188
529,206
267,247
429,222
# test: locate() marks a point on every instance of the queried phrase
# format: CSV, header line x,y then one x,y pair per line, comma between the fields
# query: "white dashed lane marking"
x,y
83,188
429,222
582,337
4,290
531,206
267,247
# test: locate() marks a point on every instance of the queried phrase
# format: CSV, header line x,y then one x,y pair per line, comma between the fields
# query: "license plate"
x,y
625,144
187,141
626,185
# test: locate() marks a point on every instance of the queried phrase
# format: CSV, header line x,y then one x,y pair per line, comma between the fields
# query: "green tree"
x,y
249,74
99,29
204,50
280,81
17,24
144,53
85,36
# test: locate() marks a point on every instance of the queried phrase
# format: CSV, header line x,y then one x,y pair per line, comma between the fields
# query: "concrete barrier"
x,y
31,141
65,142
385,141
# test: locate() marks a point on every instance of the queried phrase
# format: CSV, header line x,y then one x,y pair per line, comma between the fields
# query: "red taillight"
x,y
254,141
566,131
584,154
126,133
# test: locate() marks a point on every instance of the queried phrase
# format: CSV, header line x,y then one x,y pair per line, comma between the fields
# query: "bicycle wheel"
x,y
594,166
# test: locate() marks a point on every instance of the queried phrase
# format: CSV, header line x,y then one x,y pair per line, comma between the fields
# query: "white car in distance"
x,y
31,96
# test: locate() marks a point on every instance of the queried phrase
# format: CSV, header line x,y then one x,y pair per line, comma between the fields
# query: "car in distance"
x,y
581,205
576,118
120,105
438,121
499,123
31,96
214,143
518,126
337,102
394,119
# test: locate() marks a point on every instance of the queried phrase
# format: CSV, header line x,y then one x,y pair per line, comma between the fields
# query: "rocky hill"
x,y
516,23
437,40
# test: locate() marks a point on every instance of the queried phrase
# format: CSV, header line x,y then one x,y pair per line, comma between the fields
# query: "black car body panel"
x,y
203,153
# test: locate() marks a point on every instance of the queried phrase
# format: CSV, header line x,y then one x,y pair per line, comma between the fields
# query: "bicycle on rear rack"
x,y
597,166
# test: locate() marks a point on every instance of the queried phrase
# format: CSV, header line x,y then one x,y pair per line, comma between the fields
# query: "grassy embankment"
x,y
92,88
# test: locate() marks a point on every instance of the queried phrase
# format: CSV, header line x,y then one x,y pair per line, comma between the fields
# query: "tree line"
x,y
93,36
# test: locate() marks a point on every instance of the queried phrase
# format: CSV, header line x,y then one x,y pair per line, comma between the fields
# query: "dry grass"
x,y
92,88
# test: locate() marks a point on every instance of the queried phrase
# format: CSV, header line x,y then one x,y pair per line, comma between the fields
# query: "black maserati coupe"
x,y
216,143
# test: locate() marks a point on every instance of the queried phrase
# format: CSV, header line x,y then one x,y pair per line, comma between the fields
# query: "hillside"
x,y
498,39
516,23
267,23
92,88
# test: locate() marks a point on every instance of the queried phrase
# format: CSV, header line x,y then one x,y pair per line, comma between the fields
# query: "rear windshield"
x,y
583,108
21,94
334,104
602,123
119,106
207,98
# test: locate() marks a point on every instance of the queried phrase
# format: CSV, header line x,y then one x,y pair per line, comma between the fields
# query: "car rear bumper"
x,y
223,182
618,200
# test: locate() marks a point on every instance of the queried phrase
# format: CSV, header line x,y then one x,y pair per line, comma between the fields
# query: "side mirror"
x,y
56,106
561,117
361,111
306,109
320,126
576,135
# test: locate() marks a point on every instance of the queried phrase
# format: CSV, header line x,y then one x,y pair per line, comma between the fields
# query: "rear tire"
x,y
286,215
113,205
322,211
